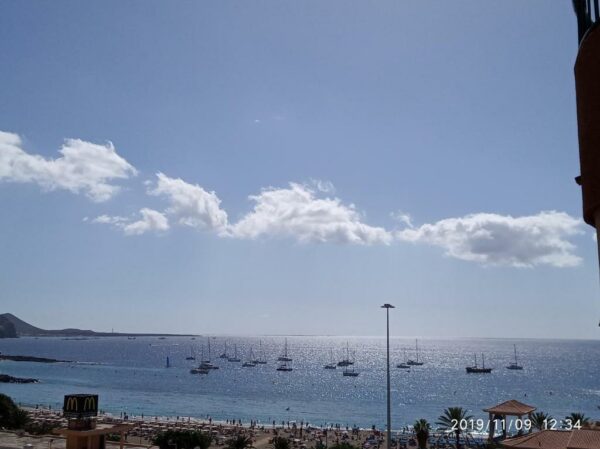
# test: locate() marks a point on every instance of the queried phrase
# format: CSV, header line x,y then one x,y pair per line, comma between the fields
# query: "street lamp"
x,y
387,308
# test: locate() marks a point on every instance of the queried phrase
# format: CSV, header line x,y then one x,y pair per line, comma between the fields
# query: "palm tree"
x,y
281,443
422,429
576,420
239,442
452,419
540,420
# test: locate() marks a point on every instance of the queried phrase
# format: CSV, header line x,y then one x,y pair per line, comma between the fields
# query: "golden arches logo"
x,y
89,404
72,405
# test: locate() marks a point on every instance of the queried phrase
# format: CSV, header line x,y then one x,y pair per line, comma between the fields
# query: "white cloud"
x,y
82,167
151,220
107,219
403,218
503,240
296,212
323,186
190,204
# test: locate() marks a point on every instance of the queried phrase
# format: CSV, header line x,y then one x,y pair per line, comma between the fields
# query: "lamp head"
x,y
387,306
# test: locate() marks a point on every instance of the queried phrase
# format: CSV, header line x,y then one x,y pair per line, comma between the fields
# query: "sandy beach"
x,y
300,435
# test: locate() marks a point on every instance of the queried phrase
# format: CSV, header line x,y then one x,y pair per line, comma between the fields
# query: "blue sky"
x,y
316,159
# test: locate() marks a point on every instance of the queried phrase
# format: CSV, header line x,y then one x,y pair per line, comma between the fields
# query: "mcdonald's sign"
x,y
77,406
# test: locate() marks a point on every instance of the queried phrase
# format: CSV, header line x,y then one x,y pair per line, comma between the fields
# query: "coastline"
x,y
302,435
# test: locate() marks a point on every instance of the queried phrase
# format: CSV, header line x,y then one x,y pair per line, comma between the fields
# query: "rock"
x,y
28,358
5,378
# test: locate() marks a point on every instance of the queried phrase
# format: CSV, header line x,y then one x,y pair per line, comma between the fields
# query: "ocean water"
x,y
559,377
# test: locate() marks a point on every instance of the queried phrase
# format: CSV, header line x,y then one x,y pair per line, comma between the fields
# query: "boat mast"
x,y
515,354
417,348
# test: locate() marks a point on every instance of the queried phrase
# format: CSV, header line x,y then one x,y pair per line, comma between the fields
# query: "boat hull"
x,y
474,370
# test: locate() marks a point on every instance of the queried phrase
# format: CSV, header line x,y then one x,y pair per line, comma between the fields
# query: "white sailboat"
x,y
284,367
208,359
250,362
284,357
331,364
235,357
347,361
403,365
515,365
192,356
261,360
200,369
224,354
349,370
415,362
206,363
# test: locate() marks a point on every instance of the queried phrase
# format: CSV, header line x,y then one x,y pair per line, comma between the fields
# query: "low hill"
x,y
20,326
7,328
12,326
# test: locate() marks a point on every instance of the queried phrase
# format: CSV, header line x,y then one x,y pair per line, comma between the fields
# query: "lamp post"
x,y
387,308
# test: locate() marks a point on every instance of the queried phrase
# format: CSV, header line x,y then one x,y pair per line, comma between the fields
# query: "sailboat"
x,y
191,356
284,367
346,361
208,359
284,357
224,354
331,364
477,369
250,362
201,369
403,365
514,365
205,363
235,357
349,372
260,360
415,362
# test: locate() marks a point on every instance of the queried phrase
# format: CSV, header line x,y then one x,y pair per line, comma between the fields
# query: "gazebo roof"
x,y
512,407
584,439
556,439
545,439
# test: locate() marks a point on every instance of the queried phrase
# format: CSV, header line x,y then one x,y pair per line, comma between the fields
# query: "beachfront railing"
x,y
588,16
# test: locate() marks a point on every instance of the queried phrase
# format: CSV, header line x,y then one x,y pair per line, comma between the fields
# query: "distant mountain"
x,y
7,328
11,326
20,326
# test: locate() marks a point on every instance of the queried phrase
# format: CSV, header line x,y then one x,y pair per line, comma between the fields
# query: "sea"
x,y
131,377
